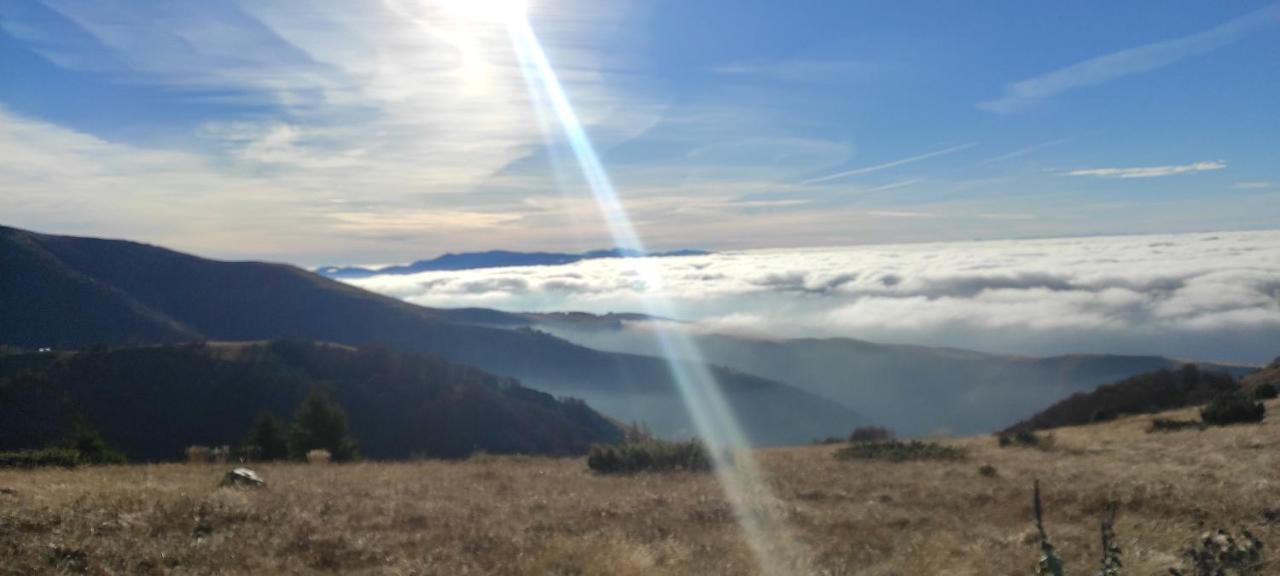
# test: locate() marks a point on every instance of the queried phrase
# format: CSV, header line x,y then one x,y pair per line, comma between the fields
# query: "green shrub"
x,y
898,451
649,456
91,447
1174,425
988,471
1025,438
1265,391
871,434
62,457
1221,554
1232,408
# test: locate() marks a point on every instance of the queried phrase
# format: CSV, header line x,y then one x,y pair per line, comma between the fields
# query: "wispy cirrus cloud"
x,y
1148,171
1019,95
1253,185
894,185
887,165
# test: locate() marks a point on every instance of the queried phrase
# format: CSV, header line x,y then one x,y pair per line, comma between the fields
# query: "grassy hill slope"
x,y
536,516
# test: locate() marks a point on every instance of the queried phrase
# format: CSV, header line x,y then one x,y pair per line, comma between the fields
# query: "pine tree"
x,y
321,424
267,438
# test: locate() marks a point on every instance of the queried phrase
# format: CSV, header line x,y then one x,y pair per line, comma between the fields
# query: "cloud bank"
x,y
1203,296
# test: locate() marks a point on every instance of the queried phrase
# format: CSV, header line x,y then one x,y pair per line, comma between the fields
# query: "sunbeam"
x,y
755,508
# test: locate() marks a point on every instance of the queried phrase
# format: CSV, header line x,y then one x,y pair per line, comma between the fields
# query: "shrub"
x,y
871,434
1265,391
1232,408
1221,554
1172,425
649,456
63,457
92,448
318,457
898,451
1025,438
987,471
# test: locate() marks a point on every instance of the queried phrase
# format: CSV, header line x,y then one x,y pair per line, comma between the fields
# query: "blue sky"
x,y
383,131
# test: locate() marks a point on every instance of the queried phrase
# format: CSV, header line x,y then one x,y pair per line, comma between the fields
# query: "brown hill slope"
x,y
510,515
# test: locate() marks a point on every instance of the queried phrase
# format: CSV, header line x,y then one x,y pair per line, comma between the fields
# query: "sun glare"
x,y
488,11
745,486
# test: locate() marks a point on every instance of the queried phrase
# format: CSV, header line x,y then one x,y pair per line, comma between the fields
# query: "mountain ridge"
x,y
69,292
918,390
496,259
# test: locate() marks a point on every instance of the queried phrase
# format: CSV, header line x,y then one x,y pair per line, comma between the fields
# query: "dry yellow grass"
x,y
544,516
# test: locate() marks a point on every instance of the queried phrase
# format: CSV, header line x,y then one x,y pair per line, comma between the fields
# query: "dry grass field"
x,y
514,515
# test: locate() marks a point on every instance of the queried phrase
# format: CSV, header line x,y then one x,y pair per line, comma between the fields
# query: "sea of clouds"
x,y
1200,296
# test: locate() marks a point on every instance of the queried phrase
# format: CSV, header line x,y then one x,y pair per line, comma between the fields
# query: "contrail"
x,y
867,169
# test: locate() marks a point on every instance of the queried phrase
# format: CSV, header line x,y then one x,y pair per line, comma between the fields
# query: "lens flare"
x,y
755,508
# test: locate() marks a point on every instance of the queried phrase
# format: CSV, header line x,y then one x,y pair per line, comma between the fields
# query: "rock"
x,y
243,477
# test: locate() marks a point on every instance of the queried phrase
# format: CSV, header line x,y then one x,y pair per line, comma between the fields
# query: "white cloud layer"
x,y
1204,296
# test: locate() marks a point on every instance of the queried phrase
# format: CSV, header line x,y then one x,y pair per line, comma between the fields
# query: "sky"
x,y
332,132
1201,296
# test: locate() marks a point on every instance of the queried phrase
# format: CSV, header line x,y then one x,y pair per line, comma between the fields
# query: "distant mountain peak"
x,y
496,259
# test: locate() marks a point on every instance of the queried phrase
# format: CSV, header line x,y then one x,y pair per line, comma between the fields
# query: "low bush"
x,y
871,434
1265,391
319,457
1025,439
1232,408
92,448
988,471
649,456
898,451
1220,554
61,457
1174,425
82,446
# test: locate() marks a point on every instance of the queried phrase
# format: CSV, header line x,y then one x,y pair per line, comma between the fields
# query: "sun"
x,y
493,11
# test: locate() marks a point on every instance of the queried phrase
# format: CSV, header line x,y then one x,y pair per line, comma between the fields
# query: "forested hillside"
x,y
152,402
